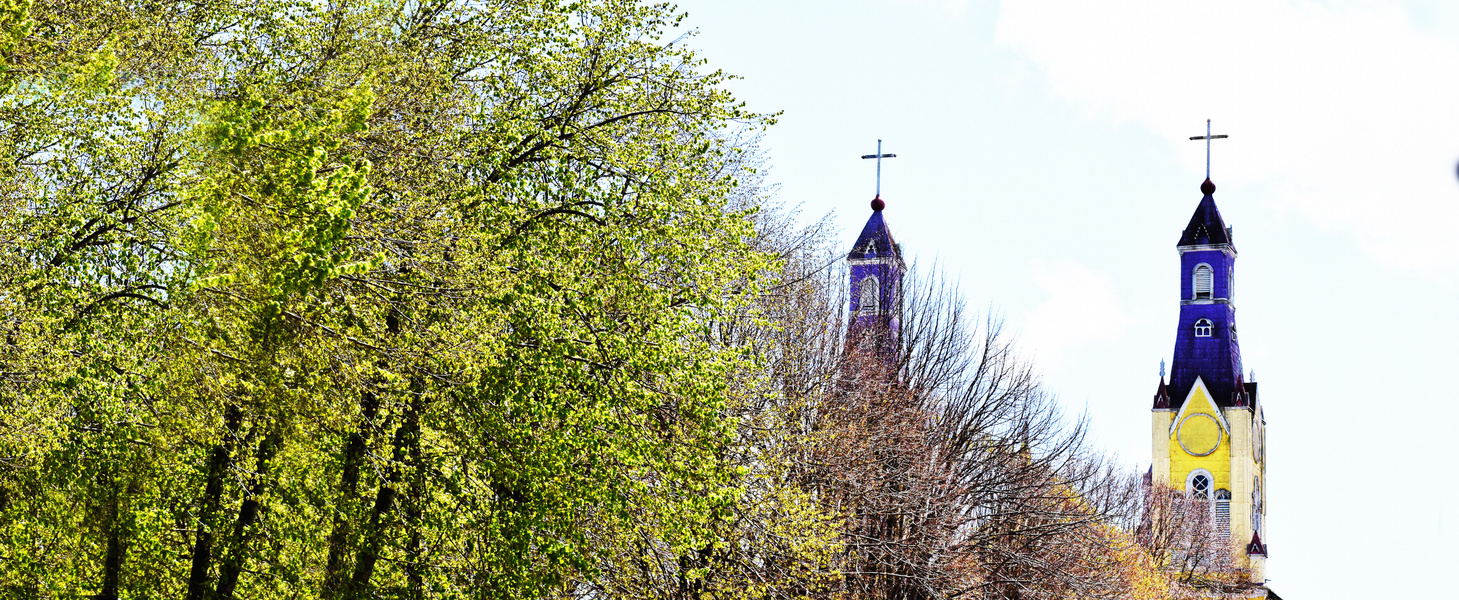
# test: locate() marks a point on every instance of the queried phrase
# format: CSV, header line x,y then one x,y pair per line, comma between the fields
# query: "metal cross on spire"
x,y
878,156
1208,137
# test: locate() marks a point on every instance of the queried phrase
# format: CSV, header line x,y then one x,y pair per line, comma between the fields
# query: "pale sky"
x,y
1044,160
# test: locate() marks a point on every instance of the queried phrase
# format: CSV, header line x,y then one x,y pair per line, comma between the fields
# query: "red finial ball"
x,y
1207,187
877,204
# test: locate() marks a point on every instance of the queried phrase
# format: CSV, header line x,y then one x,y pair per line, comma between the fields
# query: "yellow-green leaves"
x,y
15,24
371,299
279,181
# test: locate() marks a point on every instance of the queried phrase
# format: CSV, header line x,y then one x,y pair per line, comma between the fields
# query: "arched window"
x,y
1256,504
870,296
1223,512
1203,328
1199,483
1201,282
1258,435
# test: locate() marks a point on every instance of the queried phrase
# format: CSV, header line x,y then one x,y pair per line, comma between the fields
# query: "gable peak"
x,y
1208,405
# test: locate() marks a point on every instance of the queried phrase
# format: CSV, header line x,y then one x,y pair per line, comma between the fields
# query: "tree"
x,y
1179,534
956,474
363,299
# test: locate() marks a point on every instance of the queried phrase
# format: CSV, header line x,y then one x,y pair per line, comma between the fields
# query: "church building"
x,y
1208,432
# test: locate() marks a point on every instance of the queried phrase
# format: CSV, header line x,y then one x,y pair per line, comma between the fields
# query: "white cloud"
x,y
1344,113
955,8
1082,307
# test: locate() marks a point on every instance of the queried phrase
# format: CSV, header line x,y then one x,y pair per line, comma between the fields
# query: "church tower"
x,y
876,271
1208,432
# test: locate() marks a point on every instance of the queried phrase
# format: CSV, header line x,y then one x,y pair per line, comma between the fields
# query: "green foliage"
x,y
14,26
372,300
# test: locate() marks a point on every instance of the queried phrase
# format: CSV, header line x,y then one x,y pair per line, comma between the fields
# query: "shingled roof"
x,y
1256,547
1162,394
875,240
1206,226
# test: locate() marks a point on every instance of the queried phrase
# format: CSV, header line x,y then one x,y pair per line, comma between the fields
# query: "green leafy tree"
x,y
370,300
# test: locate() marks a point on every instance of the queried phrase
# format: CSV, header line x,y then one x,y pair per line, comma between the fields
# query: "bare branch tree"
x,y
1179,532
958,475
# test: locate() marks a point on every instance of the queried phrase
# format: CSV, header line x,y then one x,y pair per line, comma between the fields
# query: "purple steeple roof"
x,y
875,240
876,271
1206,227
1206,345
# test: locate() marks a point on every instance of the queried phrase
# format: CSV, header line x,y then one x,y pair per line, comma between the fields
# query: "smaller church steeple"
x,y
876,276
877,270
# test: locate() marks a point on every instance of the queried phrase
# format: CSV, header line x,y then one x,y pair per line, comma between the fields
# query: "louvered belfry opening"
x,y
1202,282
870,301
1222,522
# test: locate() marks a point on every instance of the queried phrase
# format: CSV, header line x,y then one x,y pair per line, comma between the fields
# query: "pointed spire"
x,y
875,240
1206,226
1162,393
1256,548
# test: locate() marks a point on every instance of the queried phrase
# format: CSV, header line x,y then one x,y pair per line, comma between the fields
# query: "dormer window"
x,y
870,296
1201,282
1203,328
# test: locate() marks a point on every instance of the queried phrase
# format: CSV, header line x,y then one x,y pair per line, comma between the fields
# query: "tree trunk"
x,y
335,572
197,581
373,539
111,567
414,508
247,516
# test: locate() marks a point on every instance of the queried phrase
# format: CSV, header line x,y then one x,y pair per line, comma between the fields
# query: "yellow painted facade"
x,y
1228,444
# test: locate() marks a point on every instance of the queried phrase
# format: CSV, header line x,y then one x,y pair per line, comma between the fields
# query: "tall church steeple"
x,y
1208,427
1206,345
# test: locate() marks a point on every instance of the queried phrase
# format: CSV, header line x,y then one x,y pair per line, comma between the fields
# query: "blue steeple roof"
x,y
875,302
1206,227
1206,344
875,240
